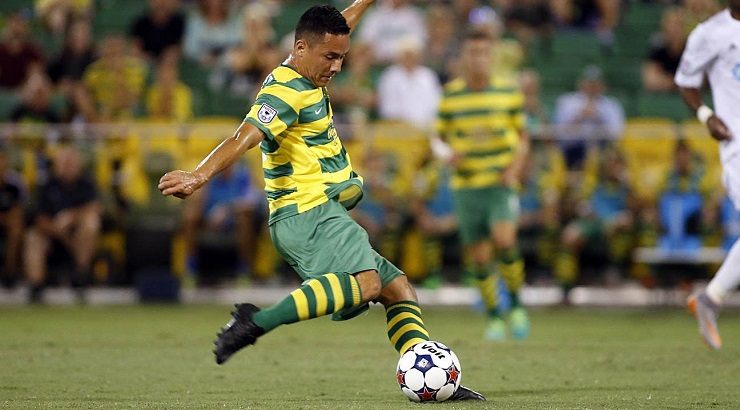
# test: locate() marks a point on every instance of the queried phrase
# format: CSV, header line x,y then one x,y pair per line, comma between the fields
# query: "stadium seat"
x,y
648,147
697,135
667,105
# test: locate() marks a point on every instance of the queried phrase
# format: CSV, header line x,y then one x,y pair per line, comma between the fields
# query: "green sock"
x,y
405,327
317,297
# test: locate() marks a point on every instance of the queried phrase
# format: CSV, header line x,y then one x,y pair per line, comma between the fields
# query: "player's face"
x,y
477,56
323,59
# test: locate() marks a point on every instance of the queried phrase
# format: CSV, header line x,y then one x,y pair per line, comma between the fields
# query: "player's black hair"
x,y
319,21
477,34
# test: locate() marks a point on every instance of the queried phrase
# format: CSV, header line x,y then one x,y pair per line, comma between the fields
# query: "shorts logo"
x,y
266,113
736,72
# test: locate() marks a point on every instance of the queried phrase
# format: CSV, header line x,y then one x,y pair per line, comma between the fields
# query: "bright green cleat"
x,y
495,330
519,323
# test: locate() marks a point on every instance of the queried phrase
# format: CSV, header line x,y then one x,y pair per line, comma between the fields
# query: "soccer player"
x,y
310,184
713,49
482,120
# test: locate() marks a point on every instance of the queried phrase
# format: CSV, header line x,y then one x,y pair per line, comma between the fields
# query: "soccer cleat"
x,y
519,323
495,330
706,312
463,393
241,331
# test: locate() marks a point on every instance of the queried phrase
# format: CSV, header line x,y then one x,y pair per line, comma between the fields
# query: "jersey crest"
x,y
266,113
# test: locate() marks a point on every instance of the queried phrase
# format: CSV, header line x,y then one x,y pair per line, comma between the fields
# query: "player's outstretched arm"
x,y
717,128
354,11
182,184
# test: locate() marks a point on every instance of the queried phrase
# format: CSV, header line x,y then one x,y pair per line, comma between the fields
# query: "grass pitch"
x,y
154,357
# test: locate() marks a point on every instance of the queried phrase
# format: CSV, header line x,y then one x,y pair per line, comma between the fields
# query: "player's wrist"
x,y
704,113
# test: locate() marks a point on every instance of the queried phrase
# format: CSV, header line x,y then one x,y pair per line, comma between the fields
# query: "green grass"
x,y
156,357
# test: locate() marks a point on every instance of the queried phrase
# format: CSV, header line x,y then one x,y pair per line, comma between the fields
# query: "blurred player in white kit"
x,y
713,49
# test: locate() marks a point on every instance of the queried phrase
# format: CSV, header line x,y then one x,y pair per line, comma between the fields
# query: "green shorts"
x,y
478,209
326,239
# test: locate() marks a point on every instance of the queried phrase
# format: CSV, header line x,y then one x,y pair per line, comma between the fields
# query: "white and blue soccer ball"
x,y
429,371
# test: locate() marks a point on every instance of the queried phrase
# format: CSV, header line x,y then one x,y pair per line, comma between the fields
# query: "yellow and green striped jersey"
x,y
483,126
303,161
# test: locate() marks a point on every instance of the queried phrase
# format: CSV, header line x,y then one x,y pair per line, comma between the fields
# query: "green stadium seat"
x,y
624,74
576,43
665,105
8,101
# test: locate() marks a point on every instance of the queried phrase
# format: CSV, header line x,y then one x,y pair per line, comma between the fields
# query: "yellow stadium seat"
x,y
648,148
698,138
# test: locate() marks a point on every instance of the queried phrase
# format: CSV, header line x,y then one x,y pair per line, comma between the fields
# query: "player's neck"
x,y
295,65
477,82
735,13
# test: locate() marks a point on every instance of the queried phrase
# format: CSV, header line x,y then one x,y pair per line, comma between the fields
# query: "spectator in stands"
x,y
530,20
113,84
602,16
69,214
407,90
210,30
665,53
35,107
433,213
227,204
681,201
352,90
13,197
697,11
66,70
606,215
378,212
168,98
159,30
587,117
441,49
388,25
18,54
58,13
248,63
544,181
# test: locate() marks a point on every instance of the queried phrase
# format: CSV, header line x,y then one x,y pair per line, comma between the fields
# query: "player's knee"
x,y
370,285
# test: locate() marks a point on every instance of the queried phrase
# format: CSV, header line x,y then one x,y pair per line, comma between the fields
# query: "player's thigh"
x,y
503,206
322,240
471,212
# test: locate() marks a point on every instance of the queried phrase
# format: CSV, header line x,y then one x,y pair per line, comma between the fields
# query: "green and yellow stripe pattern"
x,y
405,327
304,162
326,294
483,126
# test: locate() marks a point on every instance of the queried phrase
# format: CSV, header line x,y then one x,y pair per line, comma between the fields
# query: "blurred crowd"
x,y
100,100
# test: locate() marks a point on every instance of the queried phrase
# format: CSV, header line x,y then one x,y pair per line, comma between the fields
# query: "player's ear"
x,y
300,47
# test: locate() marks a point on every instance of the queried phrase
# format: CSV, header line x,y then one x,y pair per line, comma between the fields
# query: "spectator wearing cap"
x,y
18,54
587,117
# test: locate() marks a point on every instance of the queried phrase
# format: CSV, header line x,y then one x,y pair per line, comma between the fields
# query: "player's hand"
x,y
718,129
180,184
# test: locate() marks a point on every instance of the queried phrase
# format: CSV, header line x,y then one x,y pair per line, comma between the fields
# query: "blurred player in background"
x,y
481,118
310,185
713,49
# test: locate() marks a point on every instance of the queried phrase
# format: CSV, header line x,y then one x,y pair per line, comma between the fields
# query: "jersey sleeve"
x,y
275,109
697,56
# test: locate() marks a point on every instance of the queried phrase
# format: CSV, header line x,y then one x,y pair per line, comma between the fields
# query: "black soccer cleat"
x,y
240,332
463,393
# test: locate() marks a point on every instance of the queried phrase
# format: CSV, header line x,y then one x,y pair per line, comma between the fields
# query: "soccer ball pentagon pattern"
x,y
429,371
